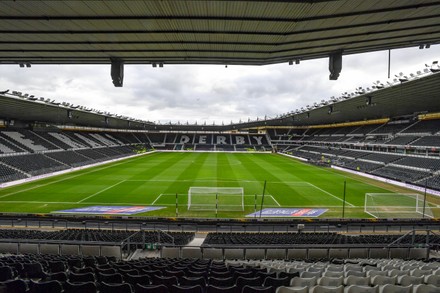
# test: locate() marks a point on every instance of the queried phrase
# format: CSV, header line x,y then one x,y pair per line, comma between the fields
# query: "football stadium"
x,y
341,195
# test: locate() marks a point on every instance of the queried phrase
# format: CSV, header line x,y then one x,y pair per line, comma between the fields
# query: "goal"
x,y
216,198
397,205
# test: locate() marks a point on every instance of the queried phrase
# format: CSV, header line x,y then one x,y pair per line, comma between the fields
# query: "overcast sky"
x,y
209,93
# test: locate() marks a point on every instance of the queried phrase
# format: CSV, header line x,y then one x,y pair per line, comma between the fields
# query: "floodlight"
x,y
421,46
21,65
154,65
297,61
290,62
28,65
427,46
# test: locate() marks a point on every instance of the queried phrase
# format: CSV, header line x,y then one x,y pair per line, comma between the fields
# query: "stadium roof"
x,y
406,96
209,32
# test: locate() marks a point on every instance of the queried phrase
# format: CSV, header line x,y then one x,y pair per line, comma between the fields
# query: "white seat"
x,y
383,280
361,289
373,273
420,273
433,280
409,280
396,272
422,288
355,280
327,289
310,274
333,274
284,289
390,288
330,281
301,282
355,273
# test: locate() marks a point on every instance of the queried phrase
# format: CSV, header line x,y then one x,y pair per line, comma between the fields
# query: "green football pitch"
x,y
155,179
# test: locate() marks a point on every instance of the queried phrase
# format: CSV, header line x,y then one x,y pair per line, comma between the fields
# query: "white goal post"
x,y
397,205
216,198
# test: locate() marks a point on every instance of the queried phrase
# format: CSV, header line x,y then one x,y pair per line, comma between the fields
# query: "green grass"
x,y
154,179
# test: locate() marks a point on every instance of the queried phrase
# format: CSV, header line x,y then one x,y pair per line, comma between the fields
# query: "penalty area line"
x,y
101,191
332,195
157,198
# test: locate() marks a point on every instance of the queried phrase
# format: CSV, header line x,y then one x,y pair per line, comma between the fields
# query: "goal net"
x,y
216,198
397,205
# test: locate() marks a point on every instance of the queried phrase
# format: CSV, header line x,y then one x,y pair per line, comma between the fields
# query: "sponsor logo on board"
x,y
290,212
110,210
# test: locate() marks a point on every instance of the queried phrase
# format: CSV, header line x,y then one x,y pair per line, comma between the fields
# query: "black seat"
x,y
138,279
84,270
87,287
186,289
167,281
151,289
74,263
215,289
6,273
192,281
46,287
115,288
242,281
56,266
257,289
221,282
33,270
15,286
178,274
85,277
288,275
110,278
59,276
276,282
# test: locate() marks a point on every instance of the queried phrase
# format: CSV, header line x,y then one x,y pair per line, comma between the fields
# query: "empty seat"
x,y
151,289
383,280
330,281
186,289
423,288
301,282
284,289
87,287
361,289
326,289
256,289
406,280
46,287
390,288
355,280
226,289
115,288
433,280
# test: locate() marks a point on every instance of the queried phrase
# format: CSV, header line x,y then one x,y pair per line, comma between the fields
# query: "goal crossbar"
x,y
216,198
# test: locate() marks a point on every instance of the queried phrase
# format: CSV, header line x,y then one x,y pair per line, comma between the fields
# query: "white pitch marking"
x,y
157,198
101,191
70,177
275,200
332,195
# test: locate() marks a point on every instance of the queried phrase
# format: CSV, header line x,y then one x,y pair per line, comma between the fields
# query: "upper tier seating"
x,y
424,126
